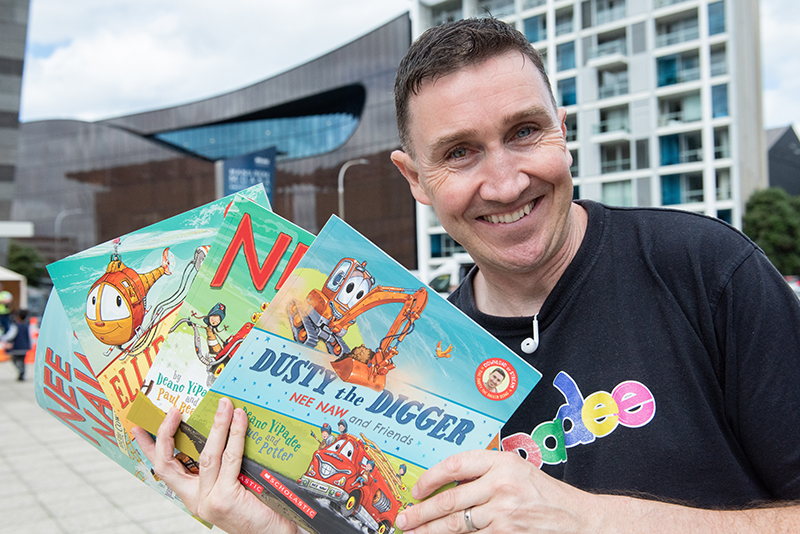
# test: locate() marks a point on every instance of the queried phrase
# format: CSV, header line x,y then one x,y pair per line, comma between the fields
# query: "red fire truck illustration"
x,y
356,475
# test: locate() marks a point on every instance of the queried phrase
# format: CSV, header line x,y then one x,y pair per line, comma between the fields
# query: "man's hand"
x,y
214,495
505,494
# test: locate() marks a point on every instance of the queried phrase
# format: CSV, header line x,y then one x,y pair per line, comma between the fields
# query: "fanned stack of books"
x,y
355,376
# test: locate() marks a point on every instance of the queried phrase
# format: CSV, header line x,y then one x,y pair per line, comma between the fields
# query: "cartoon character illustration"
x,y
116,304
342,426
356,475
326,315
446,353
327,436
215,352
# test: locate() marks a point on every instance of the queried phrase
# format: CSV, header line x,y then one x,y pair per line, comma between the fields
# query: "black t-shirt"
x,y
670,355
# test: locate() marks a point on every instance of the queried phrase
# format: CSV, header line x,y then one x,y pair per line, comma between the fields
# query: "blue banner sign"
x,y
251,169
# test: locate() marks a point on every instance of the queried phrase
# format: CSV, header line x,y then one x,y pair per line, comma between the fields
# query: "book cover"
x,y
65,387
121,297
251,256
356,379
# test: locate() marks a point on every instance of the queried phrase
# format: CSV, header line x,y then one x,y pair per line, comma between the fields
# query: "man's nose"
x,y
503,178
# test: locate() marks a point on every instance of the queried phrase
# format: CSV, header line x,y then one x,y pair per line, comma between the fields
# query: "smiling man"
x,y
659,329
669,346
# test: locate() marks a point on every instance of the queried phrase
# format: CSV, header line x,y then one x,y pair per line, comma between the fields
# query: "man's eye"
x,y
458,153
523,132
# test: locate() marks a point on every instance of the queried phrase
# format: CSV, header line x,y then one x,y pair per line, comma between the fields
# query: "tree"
x,y
27,261
772,220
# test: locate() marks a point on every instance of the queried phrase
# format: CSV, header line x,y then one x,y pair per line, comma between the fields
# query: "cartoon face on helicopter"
x,y
115,305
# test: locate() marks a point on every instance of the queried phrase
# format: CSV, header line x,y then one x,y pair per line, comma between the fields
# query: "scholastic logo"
x,y
580,421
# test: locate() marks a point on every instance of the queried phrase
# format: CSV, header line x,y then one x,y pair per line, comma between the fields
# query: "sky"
x,y
96,59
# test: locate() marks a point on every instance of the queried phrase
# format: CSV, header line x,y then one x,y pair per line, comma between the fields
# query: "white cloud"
x,y
114,58
780,62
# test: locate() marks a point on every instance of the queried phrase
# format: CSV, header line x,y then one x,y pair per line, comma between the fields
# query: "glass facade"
x,y
565,55
535,28
567,92
294,137
719,101
716,18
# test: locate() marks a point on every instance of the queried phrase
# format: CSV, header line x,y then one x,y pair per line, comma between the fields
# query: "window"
x,y
567,95
618,193
725,215
564,21
719,60
678,68
615,157
681,148
610,43
446,12
527,4
442,246
574,167
613,120
642,153
723,184
722,148
612,82
716,18
576,192
536,28
495,8
565,55
609,11
719,101
679,109
679,29
681,188
571,123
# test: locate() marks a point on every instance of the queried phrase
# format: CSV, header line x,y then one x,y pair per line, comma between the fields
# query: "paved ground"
x,y
53,482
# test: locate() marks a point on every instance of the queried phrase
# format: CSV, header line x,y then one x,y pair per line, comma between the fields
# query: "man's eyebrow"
x,y
533,112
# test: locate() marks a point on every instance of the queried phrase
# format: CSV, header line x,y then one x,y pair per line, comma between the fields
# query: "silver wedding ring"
x,y
468,519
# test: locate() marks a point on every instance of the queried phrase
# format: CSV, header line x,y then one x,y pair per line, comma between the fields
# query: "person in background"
x,y
17,340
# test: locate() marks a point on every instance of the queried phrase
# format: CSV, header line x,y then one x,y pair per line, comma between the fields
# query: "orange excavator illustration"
x,y
326,315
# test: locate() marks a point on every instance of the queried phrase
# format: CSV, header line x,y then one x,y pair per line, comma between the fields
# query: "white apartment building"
x,y
663,100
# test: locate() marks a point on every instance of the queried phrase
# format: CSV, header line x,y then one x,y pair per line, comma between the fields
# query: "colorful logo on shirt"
x,y
582,420
496,379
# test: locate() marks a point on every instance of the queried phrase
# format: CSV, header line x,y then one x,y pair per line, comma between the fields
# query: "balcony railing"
x,y
666,119
687,156
609,15
722,152
498,8
611,125
563,27
689,33
617,46
615,165
664,3
719,66
527,4
614,89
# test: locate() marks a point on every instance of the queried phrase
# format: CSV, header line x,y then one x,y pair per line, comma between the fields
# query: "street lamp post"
x,y
347,165
59,219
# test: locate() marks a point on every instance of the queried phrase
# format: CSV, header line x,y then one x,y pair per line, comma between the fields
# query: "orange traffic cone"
x,y
30,356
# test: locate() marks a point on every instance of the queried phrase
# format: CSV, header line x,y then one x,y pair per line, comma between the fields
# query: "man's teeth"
x,y
510,217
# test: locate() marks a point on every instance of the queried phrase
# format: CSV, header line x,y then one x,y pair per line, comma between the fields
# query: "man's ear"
x,y
405,164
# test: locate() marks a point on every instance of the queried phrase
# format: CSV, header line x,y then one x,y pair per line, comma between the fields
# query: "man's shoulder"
x,y
670,230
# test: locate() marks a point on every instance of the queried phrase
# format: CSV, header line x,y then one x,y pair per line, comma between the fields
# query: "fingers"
x,y
210,458
444,512
457,468
232,457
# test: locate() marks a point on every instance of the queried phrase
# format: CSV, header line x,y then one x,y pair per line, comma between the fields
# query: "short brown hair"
x,y
447,48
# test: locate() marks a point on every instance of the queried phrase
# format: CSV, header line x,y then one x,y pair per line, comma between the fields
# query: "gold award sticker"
x,y
496,379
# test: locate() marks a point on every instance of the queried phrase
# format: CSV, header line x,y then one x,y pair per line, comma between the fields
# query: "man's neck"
x,y
506,294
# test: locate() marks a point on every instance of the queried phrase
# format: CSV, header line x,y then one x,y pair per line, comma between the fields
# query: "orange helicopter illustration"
x,y
116,304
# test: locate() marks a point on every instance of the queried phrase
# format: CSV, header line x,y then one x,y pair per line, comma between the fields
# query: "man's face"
x,y
489,154
495,379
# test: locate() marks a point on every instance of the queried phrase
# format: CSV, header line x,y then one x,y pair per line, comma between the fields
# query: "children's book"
x,y
251,256
356,379
66,387
121,297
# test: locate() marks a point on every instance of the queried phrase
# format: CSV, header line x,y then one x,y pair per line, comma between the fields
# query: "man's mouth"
x,y
510,217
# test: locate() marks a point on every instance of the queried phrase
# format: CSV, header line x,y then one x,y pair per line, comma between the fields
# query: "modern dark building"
x,y
783,159
83,183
